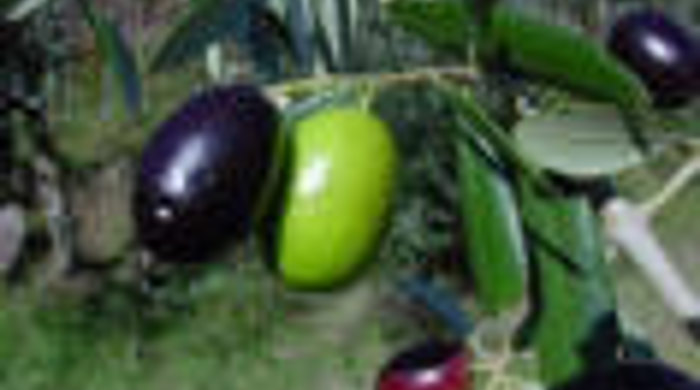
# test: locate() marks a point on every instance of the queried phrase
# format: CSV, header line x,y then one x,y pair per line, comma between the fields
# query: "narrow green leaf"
x,y
575,320
491,225
117,55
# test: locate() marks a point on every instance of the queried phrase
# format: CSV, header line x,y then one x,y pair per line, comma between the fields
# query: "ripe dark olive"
x,y
430,365
203,171
635,375
661,52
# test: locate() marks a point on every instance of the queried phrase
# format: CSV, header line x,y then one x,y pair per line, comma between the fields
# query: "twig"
x,y
674,186
315,83
627,225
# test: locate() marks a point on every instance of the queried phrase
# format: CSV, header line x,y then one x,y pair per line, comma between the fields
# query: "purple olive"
x,y
430,365
664,54
202,173
635,375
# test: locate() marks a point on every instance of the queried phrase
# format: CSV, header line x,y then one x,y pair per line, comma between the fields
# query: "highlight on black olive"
x,y
203,171
663,53
635,375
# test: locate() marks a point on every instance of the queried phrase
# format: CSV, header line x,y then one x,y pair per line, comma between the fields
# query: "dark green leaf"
x,y
117,55
575,323
491,221
561,57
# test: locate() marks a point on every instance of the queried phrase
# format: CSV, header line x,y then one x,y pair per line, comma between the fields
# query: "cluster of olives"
x,y
207,171
436,364
664,54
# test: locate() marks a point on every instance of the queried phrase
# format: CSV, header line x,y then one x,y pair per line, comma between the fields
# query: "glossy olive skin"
x,y
661,52
343,171
430,365
202,173
635,375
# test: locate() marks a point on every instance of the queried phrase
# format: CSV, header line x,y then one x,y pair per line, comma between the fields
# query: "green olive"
x,y
341,187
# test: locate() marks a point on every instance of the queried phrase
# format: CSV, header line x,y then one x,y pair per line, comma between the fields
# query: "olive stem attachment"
x,y
307,85
674,186
628,227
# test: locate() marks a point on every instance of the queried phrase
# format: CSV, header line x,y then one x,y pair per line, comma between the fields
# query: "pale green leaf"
x,y
583,140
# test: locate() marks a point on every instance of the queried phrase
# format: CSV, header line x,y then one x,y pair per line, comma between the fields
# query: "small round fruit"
x,y
634,375
430,365
342,183
202,173
661,52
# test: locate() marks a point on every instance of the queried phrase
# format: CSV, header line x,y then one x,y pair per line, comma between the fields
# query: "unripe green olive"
x,y
340,191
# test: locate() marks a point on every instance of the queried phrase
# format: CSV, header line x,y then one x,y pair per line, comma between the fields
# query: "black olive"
x,y
202,173
429,365
661,52
634,375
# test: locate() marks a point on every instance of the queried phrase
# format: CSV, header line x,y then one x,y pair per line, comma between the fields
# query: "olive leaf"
x,y
573,316
492,231
584,140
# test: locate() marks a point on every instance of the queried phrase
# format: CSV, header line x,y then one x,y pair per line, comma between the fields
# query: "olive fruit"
x,y
634,375
202,173
341,183
661,52
429,365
